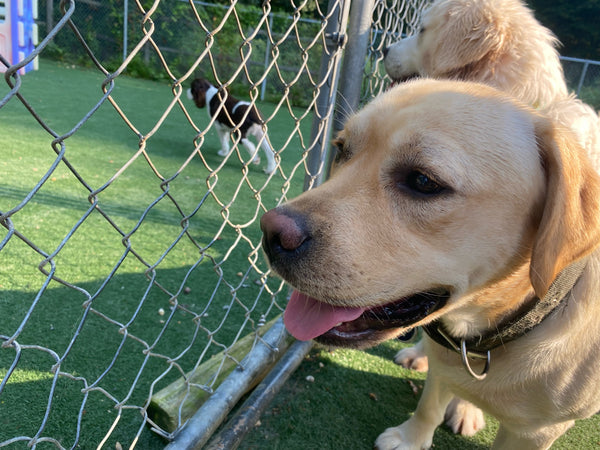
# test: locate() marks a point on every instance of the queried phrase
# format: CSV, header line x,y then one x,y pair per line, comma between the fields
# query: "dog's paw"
x,y
401,438
412,358
463,417
223,152
270,169
256,160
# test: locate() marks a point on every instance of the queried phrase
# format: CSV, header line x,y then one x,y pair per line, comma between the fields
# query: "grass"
x,y
355,395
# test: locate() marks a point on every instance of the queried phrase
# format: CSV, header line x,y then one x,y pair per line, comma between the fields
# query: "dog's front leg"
x,y
224,138
251,150
413,357
269,153
417,432
257,131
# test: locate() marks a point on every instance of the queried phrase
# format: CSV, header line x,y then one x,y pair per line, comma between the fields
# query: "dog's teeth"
x,y
337,325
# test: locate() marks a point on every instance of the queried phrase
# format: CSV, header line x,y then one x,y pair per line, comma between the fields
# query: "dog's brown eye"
x,y
422,183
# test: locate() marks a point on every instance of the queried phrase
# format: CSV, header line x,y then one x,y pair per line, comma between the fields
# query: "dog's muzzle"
x,y
287,240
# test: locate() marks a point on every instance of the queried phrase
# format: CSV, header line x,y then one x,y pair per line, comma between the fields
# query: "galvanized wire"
x,y
279,58
53,267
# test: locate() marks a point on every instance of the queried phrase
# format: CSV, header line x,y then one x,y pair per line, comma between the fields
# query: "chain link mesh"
x,y
124,270
129,261
583,78
99,340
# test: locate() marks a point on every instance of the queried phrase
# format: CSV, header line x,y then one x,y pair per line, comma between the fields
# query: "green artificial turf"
x,y
143,204
355,396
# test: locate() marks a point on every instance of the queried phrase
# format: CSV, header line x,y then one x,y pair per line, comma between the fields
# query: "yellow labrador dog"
x,y
456,208
497,42
500,43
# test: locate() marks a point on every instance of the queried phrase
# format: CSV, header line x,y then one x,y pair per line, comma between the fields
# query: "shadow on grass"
x,y
121,347
354,397
345,398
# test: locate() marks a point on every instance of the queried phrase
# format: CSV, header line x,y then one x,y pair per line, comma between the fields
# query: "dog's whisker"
x,y
344,107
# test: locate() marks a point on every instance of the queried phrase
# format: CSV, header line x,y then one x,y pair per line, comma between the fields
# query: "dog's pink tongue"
x,y
306,318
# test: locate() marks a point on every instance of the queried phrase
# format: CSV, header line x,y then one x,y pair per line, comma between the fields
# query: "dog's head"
x,y
440,190
197,92
461,39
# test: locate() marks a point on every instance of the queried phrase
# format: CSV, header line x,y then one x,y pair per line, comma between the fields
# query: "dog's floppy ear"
x,y
470,39
570,224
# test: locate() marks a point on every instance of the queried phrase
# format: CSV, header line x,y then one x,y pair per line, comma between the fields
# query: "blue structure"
x,y
18,32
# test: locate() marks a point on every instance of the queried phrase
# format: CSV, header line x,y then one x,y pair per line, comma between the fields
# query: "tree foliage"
x,y
575,23
308,8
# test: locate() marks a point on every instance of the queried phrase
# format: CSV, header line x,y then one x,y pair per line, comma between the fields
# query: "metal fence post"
x,y
338,11
351,75
125,30
244,420
263,86
583,73
49,16
205,421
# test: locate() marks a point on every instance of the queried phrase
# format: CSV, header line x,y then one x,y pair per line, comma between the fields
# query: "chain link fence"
x,y
583,78
244,56
136,308
133,287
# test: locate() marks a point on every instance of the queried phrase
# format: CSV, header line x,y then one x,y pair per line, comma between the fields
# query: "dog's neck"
x,y
490,306
518,317
210,93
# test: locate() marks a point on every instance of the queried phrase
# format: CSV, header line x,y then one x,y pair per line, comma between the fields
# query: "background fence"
x,y
131,271
131,259
181,40
583,78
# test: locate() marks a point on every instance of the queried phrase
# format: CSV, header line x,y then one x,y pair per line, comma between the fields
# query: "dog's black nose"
x,y
283,232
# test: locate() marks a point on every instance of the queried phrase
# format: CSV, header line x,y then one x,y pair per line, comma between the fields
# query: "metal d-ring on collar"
x,y
466,354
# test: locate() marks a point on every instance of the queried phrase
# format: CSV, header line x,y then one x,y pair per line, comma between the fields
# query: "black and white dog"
x,y
234,113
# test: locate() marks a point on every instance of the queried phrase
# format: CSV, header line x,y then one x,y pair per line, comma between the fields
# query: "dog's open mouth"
x,y
307,318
